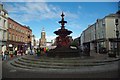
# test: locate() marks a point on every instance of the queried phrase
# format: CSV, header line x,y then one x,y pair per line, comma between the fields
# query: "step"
x,y
30,65
77,60
73,63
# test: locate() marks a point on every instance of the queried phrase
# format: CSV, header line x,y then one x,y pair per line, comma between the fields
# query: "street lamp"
x,y
30,43
117,35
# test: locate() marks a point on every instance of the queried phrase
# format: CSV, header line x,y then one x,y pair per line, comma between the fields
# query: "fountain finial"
x,y
62,15
62,22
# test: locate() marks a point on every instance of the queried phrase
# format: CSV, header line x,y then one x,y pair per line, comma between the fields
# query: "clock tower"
x,y
43,38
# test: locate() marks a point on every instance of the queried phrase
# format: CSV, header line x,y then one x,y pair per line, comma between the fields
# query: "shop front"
x,y
11,45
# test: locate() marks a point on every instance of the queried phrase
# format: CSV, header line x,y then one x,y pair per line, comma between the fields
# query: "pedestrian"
x,y
26,52
30,51
3,52
21,52
15,51
47,51
38,52
44,50
33,51
5,56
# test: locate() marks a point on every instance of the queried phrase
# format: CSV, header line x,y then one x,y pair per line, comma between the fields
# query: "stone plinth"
x,y
63,52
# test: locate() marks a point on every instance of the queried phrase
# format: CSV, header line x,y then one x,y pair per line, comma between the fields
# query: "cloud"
x,y
35,11
49,38
71,15
73,25
31,11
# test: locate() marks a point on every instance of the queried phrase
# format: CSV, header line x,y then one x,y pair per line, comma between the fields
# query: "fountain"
x,y
63,42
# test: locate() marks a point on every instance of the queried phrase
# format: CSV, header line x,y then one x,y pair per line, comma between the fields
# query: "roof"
x,y
112,15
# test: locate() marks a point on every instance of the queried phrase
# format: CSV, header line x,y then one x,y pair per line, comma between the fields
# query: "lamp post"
x,y
30,44
117,35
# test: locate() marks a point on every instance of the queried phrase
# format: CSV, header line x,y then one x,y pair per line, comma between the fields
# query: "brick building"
x,y
19,36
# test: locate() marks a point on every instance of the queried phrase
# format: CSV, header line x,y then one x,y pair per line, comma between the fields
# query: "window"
x,y
16,37
16,28
9,25
13,27
4,23
21,39
3,35
13,37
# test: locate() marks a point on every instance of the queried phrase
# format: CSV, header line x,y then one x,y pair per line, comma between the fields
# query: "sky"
x,y
39,15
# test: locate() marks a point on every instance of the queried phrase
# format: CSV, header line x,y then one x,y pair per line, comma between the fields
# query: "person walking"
x,y
26,52
38,52
33,51
3,52
44,50
16,51
47,51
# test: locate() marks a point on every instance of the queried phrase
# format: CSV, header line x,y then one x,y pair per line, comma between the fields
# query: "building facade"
x,y
3,26
101,34
19,36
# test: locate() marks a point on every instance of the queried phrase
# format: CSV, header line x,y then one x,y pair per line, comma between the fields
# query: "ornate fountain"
x,y
63,42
